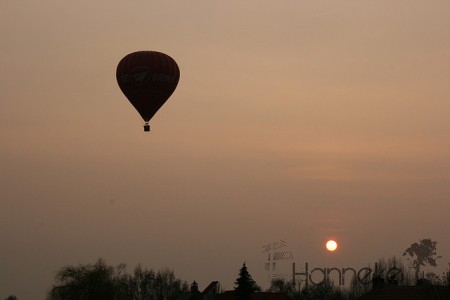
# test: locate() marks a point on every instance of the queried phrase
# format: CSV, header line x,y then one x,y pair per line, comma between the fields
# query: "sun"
x,y
331,245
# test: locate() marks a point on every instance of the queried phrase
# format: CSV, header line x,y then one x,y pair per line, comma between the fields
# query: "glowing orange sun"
x,y
331,245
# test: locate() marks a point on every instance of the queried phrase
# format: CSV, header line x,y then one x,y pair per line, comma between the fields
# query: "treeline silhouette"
x,y
100,281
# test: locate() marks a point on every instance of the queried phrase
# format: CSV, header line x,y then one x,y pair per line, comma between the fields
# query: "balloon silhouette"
x,y
148,79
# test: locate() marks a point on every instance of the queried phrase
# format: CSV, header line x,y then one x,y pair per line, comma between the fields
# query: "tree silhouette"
x,y
421,254
282,286
322,291
392,271
146,284
245,285
84,282
140,285
12,297
100,281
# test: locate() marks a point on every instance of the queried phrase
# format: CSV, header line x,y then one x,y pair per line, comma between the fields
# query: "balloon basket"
x,y
146,127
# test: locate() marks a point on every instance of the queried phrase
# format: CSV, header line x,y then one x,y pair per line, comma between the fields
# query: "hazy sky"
x,y
294,120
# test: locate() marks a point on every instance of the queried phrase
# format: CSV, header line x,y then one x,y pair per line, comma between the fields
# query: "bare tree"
x,y
282,286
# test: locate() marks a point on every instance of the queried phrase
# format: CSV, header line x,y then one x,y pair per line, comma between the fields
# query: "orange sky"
x,y
295,120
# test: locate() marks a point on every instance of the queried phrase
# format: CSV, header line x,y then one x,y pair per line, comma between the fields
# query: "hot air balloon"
x,y
148,79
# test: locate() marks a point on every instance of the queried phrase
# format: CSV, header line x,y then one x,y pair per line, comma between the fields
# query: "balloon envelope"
x,y
148,79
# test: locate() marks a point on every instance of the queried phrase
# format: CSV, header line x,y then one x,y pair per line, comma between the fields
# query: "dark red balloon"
x,y
148,79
